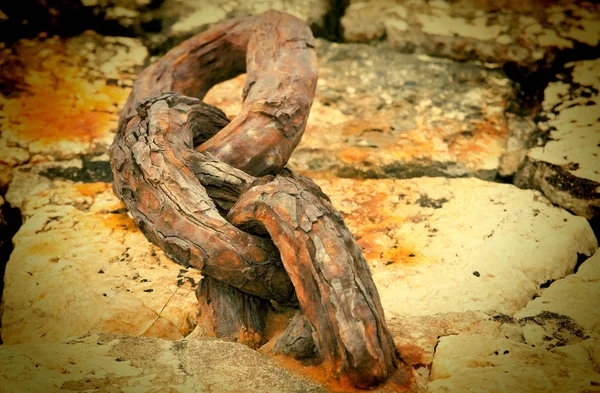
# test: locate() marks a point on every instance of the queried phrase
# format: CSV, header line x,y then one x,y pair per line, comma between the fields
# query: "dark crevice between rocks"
x,y
580,259
595,224
67,18
533,80
91,171
332,29
10,222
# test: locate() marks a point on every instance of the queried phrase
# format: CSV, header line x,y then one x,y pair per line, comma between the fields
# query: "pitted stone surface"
x,y
575,296
119,363
420,117
566,165
417,336
439,245
471,363
66,95
80,265
527,33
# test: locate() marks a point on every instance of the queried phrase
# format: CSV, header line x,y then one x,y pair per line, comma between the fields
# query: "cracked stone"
x,y
575,297
81,265
528,33
566,167
105,362
467,363
425,237
416,336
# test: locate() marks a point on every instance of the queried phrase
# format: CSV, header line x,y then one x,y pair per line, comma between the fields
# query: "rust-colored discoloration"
x,y
401,381
91,189
59,101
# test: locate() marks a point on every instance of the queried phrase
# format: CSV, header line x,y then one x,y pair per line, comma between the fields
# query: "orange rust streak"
x,y
122,221
91,189
60,103
400,381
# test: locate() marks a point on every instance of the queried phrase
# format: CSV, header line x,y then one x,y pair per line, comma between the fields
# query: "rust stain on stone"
x,y
92,189
371,215
120,221
59,102
401,381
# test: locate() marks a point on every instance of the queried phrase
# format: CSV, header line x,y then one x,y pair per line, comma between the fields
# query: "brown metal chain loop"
x,y
214,194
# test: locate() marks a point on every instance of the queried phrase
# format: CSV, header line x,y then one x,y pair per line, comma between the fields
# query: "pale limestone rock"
x,y
421,117
439,245
587,353
73,90
183,18
416,336
80,265
479,363
567,167
118,363
527,32
576,296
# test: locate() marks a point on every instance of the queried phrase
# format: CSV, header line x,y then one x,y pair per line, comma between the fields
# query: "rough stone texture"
x,y
424,240
192,16
474,363
417,336
117,363
566,168
525,32
80,265
576,297
163,24
65,95
439,245
419,117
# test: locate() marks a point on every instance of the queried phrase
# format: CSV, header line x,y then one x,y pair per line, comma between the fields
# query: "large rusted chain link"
x,y
188,177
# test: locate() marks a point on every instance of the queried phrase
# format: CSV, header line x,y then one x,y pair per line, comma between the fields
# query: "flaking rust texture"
x,y
64,95
179,166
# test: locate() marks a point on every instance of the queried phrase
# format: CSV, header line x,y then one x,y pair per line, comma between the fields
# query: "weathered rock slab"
x,y
80,265
566,167
434,246
65,95
439,245
576,296
528,33
187,17
471,363
118,363
420,117
416,337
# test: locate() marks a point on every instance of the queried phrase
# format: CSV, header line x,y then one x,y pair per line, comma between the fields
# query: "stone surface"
x,y
439,245
442,246
117,363
475,363
417,336
528,33
419,117
566,167
576,296
180,19
80,265
65,95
